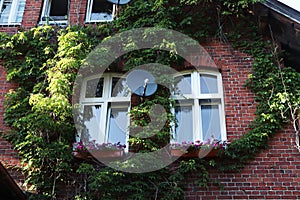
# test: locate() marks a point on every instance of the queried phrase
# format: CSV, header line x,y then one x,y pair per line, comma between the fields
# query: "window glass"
x,y
91,119
119,87
118,122
102,10
201,115
208,84
94,88
210,122
183,85
5,10
59,9
184,129
20,11
108,120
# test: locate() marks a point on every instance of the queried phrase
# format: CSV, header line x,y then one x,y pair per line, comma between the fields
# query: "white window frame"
x,y
13,12
89,13
46,13
104,101
194,101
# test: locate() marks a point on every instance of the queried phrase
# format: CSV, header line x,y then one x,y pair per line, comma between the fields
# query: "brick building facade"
x,y
273,174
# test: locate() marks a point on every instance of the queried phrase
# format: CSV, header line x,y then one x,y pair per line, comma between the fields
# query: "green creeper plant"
x,y
43,62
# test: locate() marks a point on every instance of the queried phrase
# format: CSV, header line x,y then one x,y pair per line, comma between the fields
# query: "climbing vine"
x,y
44,61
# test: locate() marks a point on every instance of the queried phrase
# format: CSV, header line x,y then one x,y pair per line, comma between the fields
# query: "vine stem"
x,y
294,110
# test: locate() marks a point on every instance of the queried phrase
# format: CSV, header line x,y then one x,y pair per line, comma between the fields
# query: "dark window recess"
x,y
59,9
102,6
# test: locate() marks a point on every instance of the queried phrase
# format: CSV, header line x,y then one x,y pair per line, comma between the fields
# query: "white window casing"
x,y
109,109
212,102
104,12
118,103
11,11
55,12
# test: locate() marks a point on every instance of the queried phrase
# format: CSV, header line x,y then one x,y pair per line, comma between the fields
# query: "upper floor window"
x,y
55,12
200,108
105,104
11,11
100,11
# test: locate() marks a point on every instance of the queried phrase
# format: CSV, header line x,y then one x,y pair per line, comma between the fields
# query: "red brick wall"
x,y
8,156
32,14
77,11
239,101
273,174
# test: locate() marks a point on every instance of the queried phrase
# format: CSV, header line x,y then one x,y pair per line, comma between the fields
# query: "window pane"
x,y
59,8
183,85
119,87
5,10
21,8
210,122
208,84
184,129
94,88
118,121
102,10
91,119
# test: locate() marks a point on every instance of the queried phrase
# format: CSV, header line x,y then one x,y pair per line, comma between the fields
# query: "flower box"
x,y
108,154
209,153
197,149
98,151
81,155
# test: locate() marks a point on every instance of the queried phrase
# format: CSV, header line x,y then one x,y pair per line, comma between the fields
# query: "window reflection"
x,y
183,85
208,84
118,121
119,87
94,88
184,128
91,119
210,121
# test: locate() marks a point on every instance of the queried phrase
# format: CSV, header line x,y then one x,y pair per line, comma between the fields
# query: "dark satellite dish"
x,y
119,2
141,82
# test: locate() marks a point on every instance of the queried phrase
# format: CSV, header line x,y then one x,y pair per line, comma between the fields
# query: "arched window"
x,y
105,103
200,107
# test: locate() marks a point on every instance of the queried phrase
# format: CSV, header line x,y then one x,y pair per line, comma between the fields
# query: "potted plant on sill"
x,y
81,151
197,148
109,150
92,149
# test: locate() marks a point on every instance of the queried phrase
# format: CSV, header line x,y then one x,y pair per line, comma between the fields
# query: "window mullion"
x,y
127,130
105,96
222,109
173,126
222,121
107,116
89,10
103,122
197,121
196,107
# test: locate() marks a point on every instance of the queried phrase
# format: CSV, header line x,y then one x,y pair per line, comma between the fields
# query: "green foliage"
x,y
167,183
43,62
273,87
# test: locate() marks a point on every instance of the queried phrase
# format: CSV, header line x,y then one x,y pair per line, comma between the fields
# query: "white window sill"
x,y
98,21
9,24
58,23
